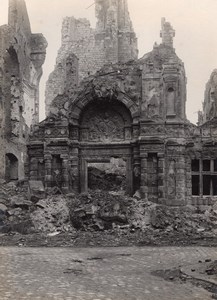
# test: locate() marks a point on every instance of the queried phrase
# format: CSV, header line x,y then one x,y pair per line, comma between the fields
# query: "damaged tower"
x,y
22,55
112,41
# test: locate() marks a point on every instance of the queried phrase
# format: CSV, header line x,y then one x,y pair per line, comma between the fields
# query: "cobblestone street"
x,y
97,273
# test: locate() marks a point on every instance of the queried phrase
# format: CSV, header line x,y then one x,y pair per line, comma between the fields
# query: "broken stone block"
x,y
41,204
15,212
36,190
17,201
3,207
137,195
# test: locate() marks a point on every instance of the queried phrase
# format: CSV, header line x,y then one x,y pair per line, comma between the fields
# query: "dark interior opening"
x,y
206,165
107,176
195,185
11,172
206,185
214,184
195,165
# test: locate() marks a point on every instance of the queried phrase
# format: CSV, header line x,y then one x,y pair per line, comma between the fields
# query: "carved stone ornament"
x,y
102,125
105,89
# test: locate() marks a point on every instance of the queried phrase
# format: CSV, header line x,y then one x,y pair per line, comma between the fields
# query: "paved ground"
x,y
97,274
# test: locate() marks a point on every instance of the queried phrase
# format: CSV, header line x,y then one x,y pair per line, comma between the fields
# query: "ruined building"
x,y
21,57
125,108
113,40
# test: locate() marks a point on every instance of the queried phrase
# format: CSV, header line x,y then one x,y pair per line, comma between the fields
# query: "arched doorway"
x,y
105,133
11,168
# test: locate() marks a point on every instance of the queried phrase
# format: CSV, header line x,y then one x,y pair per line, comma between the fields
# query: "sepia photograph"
x,y
108,149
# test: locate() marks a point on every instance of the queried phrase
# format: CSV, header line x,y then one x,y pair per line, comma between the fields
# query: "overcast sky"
x,y
195,23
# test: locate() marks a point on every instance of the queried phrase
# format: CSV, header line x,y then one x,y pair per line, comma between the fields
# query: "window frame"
x,y
201,173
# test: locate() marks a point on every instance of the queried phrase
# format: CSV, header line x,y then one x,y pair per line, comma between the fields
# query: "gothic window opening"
x,y
204,177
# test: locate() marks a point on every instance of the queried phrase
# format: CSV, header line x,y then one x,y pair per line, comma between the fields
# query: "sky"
x,y
195,23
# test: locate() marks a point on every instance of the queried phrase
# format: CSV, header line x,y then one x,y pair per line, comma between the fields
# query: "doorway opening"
x,y
108,175
11,170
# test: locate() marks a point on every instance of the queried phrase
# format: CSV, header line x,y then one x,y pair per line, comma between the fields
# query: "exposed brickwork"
x,y
112,41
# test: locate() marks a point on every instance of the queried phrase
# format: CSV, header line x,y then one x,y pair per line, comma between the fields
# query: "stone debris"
x,y
101,212
36,190
51,215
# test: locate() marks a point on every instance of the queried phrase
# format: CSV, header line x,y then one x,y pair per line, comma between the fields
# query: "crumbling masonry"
x,y
21,57
103,103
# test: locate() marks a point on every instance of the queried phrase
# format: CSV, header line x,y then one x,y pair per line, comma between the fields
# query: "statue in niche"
x,y
153,103
171,179
170,101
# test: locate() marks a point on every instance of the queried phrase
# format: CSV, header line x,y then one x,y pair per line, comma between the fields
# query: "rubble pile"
x,y
100,212
107,181
51,215
164,218
15,208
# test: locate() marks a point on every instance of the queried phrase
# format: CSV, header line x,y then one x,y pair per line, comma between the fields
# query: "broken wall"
x,y
112,41
21,57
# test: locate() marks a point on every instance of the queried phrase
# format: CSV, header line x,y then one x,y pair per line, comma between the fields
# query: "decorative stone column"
x,y
161,178
74,170
144,176
129,178
48,170
83,176
65,174
181,181
33,168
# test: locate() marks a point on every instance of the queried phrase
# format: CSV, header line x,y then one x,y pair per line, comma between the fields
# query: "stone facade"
x,y
22,55
133,110
113,40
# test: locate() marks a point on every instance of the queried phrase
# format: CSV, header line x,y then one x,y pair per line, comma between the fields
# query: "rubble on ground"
x,y
51,215
106,179
99,213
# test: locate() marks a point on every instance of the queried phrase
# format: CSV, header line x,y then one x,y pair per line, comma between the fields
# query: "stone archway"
x,y
105,132
11,167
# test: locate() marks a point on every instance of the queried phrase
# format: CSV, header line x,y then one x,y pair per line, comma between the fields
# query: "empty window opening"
x,y
195,165
207,185
11,172
204,182
215,165
107,176
195,185
206,165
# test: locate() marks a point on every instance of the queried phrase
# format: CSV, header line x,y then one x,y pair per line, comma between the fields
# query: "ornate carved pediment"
x,y
102,125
